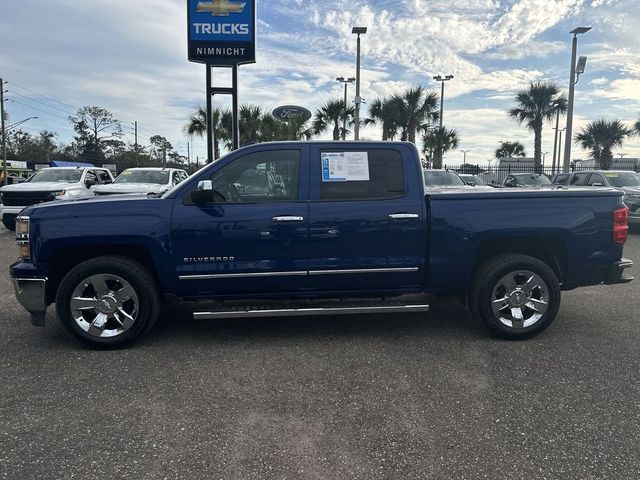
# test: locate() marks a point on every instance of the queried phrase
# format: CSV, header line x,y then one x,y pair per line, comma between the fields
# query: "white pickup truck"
x,y
56,183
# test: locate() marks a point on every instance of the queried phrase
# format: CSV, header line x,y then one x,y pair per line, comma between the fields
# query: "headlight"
x,y
22,237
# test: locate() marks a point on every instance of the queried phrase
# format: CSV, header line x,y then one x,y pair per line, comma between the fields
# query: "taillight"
x,y
620,225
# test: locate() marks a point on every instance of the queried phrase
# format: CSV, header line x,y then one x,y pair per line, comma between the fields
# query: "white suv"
x,y
56,183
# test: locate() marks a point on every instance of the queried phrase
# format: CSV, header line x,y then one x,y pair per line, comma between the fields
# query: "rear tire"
x,y
515,296
9,221
108,302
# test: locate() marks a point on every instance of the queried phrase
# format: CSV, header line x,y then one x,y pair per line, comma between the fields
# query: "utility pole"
x,y
4,134
356,128
135,144
441,79
189,156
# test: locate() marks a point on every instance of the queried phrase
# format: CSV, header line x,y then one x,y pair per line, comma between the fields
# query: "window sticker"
x,y
345,167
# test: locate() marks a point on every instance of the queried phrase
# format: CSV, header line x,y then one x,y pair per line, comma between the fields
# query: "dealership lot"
x,y
406,396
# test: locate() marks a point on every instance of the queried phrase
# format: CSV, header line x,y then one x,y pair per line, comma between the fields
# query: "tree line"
x,y
98,140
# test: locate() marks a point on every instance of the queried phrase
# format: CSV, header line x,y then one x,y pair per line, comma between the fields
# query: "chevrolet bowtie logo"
x,y
220,8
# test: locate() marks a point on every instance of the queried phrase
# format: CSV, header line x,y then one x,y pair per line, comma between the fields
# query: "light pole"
x,y
356,129
464,158
346,82
4,133
442,79
560,147
544,158
17,124
572,83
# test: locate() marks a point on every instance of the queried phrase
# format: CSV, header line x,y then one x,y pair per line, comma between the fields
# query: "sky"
x,y
131,58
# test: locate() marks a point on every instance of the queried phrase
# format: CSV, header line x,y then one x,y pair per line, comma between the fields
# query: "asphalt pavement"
x,y
371,397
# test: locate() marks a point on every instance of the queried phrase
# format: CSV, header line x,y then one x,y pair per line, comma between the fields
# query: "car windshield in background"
x,y
62,176
533,180
476,180
623,179
442,179
143,176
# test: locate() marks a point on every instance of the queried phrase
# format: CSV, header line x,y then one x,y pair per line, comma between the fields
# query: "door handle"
x,y
401,216
287,218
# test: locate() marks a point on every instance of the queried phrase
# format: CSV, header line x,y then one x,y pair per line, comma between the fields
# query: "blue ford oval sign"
x,y
287,112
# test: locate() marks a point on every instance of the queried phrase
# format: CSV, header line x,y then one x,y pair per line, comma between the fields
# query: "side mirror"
x,y
204,193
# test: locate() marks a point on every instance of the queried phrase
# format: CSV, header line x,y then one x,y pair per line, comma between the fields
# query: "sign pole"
x,y
210,138
235,113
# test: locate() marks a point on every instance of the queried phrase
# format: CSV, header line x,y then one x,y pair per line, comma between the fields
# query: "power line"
x,y
41,103
38,109
43,96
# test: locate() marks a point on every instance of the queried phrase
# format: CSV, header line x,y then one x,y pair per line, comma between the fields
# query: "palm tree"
x,y
197,126
272,129
386,113
250,123
331,115
540,102
417,109
510,150
437,141
601,137
636,126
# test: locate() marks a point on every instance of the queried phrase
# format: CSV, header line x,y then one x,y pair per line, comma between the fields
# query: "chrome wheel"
x,y
104,305
520,299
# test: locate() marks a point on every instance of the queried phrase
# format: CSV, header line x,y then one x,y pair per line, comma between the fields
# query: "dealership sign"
x,y
222,32
287,112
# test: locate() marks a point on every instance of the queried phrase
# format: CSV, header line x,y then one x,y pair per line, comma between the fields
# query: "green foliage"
x,y
600,137
94,127
437,141
510,150
538,103
332,116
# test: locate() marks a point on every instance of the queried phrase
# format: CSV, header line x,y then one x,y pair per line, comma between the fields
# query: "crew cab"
x,y
143,181
626,181
343,228
49,184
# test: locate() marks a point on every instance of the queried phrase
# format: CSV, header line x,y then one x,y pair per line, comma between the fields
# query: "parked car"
x,y
626,181
474,181
354,225
560,178
142,181
61,183
526,180
442,179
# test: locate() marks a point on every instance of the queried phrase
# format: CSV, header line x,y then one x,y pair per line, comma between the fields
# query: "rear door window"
x,y
596,178
580,179
361,174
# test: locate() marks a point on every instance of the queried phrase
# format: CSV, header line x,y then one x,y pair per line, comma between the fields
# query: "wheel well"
x,y
550,250
64,259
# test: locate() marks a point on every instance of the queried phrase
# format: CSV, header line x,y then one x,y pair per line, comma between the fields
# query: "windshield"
x,y
623,179
51,175
442,179
474,179
533,180
144,176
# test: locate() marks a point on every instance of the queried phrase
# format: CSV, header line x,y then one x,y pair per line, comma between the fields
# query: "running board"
x,y
257,312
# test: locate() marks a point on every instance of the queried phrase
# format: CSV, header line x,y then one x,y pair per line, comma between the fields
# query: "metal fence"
x,y
496,175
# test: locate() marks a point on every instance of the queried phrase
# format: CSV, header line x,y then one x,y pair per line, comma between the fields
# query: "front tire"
x,y
108,302
9,221
515,296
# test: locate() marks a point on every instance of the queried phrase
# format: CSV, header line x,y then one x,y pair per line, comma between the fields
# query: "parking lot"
x,y
397,397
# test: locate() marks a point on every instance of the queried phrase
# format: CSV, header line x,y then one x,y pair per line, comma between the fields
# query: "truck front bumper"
x,y
30,293
616,272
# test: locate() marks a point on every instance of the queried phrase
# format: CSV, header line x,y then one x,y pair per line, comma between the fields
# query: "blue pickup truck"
x,y
312,228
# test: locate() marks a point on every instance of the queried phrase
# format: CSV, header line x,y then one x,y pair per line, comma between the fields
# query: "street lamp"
x,y
14,125
356,129
544,158
346,82
572,84
442,79
464,159
560,146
